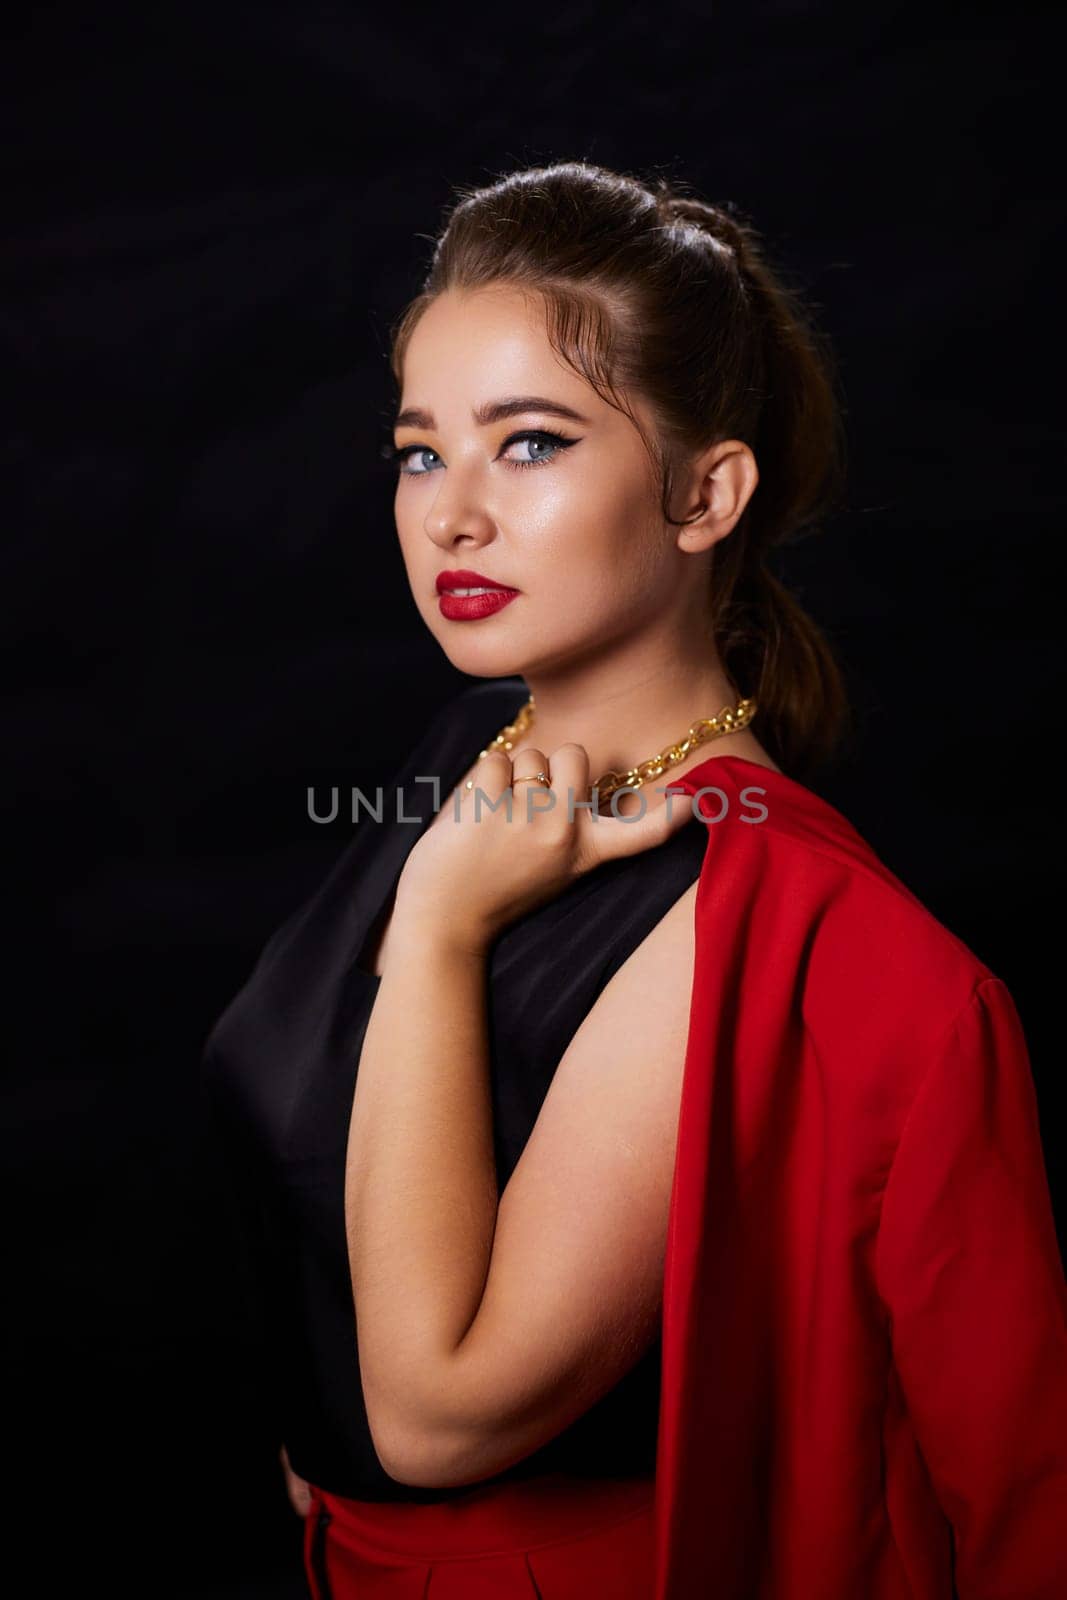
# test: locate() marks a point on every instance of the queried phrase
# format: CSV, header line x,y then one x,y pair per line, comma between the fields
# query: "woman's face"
x,y
571,522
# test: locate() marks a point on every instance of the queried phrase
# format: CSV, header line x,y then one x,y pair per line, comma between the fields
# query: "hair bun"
x,y
712,220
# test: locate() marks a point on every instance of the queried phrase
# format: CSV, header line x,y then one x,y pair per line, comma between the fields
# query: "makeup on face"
x,y
465,596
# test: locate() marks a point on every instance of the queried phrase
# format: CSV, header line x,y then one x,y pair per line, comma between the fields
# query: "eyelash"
x,y
398,456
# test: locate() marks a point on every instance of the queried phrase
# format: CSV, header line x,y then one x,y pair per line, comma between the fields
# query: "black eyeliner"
x,y
397,454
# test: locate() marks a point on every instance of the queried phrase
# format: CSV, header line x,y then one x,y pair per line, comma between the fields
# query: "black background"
x,y
212,215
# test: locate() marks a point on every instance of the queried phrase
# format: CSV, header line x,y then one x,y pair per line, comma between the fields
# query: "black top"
x,y
280,1067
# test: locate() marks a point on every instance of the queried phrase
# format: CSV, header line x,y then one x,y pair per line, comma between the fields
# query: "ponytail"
x,y
770,647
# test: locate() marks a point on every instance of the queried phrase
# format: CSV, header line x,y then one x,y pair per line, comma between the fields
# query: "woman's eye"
x,y
543,447
411,452
553,441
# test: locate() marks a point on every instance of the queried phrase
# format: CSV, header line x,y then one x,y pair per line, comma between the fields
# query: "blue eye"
x,y
556,443
405,455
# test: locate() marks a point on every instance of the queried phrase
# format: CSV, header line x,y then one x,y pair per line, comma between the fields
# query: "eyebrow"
x,y
493,411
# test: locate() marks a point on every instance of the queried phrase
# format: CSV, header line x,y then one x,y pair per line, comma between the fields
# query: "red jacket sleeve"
x,y
970,1270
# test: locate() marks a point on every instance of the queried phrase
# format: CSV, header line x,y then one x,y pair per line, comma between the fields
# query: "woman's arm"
x,y
487,1325
970,1271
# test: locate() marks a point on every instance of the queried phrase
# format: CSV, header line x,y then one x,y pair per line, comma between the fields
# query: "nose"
x,y
458,516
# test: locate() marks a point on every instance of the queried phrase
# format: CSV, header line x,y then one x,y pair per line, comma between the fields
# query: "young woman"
x,y
684,1230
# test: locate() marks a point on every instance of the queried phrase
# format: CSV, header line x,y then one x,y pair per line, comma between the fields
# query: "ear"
x,y
720,483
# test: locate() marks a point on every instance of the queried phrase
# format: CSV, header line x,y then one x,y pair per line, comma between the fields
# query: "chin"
x,y
482,658
487,663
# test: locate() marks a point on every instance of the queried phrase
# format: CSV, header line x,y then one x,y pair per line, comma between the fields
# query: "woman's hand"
x,y
295,1486
474,875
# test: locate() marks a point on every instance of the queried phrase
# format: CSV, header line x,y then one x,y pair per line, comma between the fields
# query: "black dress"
x,y
279,1070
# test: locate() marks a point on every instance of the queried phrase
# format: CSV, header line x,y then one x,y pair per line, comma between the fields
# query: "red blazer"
x,y
864,1382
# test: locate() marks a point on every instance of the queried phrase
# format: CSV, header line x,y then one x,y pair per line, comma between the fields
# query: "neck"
x,y
628,704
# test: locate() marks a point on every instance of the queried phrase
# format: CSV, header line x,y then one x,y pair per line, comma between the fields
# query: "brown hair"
x,y
652,291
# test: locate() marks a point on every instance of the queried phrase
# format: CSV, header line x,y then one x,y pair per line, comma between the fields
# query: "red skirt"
x,y
547,1538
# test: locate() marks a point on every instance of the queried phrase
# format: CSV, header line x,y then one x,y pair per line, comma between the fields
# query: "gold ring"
x,y
535,777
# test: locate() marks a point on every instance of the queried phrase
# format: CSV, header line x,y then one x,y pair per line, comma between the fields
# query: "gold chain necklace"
x,y
729,720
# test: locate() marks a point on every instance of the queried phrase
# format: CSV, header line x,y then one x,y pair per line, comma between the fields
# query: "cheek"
x,y
586,516
416,551
597,553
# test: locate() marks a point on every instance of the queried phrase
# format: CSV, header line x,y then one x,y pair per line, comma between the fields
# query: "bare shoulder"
x,y
662,964
626,1058
643,1011
631,1043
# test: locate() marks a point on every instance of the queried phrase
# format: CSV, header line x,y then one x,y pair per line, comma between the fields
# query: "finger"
x,y
528,762
529,796
610,837
569,774
491,775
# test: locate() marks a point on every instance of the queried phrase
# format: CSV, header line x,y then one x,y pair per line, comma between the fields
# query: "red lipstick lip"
x,y
474,607
463,578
